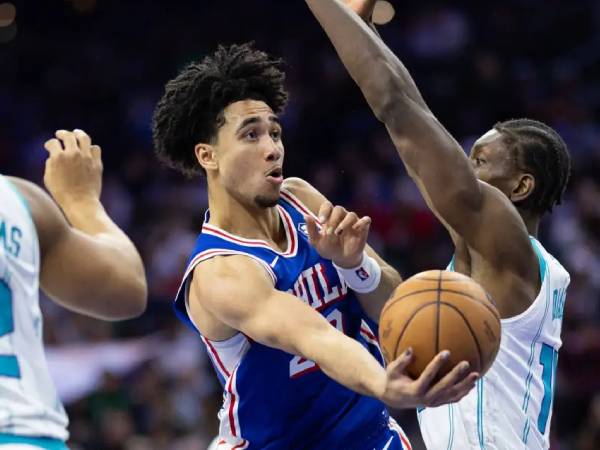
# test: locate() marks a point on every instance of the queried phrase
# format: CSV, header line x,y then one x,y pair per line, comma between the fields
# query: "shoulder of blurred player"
x,y
49,221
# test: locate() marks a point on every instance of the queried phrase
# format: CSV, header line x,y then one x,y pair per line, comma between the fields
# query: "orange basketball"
x,y
440,310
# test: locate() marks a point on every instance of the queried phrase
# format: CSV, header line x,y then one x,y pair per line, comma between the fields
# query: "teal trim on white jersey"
x,y
451,420
480,433
43,443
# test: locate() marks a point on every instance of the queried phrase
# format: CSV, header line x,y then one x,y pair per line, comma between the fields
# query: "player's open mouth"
x,y
275,175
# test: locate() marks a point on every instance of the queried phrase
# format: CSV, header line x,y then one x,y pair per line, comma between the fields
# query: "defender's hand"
x,y
342,237
364,8
401,391
73,172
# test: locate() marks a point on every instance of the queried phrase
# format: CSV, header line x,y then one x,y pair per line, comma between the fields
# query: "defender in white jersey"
x,y
88,266
491,204
512,405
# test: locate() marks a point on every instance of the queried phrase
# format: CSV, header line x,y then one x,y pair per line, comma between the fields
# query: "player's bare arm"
x,y
480,214
233,293
88,264
342,238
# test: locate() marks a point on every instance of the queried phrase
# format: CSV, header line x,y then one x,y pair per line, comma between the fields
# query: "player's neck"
x,y
532,222
249,221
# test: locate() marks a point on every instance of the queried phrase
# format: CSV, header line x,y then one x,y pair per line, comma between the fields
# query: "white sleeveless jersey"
x,y
511,406
29,404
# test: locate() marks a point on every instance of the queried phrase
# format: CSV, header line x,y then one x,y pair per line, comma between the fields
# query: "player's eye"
x,y
251,135
276,135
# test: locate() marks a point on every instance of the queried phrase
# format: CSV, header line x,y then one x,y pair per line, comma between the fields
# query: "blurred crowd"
x,y
100,65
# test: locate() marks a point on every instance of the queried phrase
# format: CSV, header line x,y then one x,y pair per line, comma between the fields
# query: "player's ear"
x,y
523,188
206,156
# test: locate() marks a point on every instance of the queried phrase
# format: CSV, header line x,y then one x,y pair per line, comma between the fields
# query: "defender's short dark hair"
x,y
190,110
539,150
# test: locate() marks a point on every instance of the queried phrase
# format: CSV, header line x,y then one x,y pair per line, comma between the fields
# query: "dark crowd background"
x,y
101,65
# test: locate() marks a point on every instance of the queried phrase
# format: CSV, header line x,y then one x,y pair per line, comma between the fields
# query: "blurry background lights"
x,y
8,26
7,14
383,12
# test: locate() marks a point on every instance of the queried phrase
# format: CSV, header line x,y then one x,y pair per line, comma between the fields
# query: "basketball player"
x,y
81,259
281,285
491,203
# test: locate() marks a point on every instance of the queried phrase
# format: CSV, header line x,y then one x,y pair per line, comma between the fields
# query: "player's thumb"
x,y
397,367
312,229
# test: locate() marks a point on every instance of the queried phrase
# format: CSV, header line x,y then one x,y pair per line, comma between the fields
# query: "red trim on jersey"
x,y
306,371
242,445
368,333
214,352
231,406
287,223
404,440
290,198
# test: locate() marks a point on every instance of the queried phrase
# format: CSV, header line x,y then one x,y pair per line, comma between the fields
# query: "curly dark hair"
x,y
191,108
539,150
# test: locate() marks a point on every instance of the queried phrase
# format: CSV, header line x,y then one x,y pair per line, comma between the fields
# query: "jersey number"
x,y
548,360
9,366
301,366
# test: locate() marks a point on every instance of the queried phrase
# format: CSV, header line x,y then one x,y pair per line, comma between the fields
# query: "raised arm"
x,y
237,292
477,212
87,263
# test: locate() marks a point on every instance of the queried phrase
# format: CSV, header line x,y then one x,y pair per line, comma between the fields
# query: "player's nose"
x,y
274,152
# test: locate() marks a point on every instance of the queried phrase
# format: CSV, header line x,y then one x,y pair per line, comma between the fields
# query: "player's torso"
x,y
274,400
29,405
511,406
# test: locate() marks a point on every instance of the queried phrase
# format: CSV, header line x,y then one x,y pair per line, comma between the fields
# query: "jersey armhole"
x,y
527,315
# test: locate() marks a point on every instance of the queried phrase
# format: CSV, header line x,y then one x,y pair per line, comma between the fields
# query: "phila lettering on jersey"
x,y
511,406
272,399
29,406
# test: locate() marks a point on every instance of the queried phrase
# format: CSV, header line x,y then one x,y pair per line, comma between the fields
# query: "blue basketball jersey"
x,y
274,400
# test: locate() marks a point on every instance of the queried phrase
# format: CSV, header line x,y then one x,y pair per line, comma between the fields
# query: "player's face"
x,y
494,163
250,153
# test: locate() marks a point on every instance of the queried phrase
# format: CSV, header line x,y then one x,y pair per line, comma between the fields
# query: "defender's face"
x,y
493,162
250,153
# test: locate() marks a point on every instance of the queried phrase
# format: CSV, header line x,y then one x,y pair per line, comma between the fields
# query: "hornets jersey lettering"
x,y
274,400
29,405
511,406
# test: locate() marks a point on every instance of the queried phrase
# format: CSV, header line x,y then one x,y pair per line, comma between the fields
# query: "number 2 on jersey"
x,y
301,366
548,360
9,366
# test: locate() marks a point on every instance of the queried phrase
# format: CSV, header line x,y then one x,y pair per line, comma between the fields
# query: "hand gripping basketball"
x,y
402,391
342,235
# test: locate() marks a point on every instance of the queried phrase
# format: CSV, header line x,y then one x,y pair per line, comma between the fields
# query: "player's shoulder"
x,y
228,270
46,215
304,192
37,198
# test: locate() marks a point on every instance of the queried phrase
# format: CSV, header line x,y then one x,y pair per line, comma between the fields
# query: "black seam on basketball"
x,y
437,315
475,299
470,331
392,302
446,278
406,324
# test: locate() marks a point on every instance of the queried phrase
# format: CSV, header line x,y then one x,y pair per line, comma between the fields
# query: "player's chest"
x,y
312,279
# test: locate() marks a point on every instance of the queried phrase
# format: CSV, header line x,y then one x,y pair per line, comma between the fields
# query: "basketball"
x,y
440,310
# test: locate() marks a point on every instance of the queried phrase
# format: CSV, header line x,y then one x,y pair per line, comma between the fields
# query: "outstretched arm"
x,y
87,263
477,212
237,292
